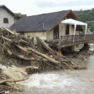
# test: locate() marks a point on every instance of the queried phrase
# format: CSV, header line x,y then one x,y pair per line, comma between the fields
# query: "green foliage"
x,y
91,25
86,16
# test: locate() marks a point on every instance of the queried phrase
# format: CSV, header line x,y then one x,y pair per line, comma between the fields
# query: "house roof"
x,y
41,22
18,15
3,6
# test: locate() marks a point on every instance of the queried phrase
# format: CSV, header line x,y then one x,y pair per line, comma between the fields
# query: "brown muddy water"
x,y
62,82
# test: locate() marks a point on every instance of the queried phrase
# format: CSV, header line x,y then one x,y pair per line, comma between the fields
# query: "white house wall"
x,y
5,14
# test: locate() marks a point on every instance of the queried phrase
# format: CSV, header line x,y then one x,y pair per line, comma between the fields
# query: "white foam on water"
x,y
91,49
91,44
2,66
48,81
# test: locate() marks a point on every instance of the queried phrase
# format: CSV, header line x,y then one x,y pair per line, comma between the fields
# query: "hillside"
x,y
86,16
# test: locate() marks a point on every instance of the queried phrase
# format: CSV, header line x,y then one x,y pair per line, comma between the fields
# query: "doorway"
x,y
56,32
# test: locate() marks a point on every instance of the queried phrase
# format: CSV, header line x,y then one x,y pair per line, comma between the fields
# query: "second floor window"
x,y
5,20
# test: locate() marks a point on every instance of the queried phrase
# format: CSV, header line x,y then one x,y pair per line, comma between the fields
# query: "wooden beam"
x,y
45,56
7,30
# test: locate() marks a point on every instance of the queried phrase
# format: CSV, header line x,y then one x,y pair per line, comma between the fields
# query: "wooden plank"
x,y
7,30
67,40
43,55
45,45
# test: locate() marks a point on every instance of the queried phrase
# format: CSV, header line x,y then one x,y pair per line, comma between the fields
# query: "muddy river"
x,y
62,82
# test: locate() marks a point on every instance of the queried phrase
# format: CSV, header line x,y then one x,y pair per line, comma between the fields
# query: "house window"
x,y
5,20
21,33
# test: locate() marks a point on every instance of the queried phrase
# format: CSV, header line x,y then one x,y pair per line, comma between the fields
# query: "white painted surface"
x,y
73,22
5,14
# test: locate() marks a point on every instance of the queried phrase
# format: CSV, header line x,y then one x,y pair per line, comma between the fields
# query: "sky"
x,y
34,7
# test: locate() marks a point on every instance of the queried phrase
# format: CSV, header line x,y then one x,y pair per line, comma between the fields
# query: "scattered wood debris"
x,y
10,76
23,49
36,58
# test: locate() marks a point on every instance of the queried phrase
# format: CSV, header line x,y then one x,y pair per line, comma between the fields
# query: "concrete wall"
x,y
5,14
45,35
49,35
40,34
77,47
62,28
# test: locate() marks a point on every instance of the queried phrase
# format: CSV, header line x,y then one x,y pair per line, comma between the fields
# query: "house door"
x,y
67,30
56,32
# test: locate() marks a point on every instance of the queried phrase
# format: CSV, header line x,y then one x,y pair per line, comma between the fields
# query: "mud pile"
x,y
22,51
17,50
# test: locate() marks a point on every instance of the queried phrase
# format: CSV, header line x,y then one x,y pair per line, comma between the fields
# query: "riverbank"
x,y
17,55
63,82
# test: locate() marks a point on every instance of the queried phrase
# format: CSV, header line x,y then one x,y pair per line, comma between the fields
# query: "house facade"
x,y
7,17
46,26
56,33
49,27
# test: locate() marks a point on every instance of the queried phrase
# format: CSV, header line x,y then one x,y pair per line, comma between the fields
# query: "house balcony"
x,y
69,40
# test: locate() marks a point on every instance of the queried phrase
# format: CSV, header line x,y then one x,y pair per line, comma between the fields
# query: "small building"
x,y
7,17
46,26
50,27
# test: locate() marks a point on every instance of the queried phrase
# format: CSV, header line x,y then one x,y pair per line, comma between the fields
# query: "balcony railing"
x,y
76,39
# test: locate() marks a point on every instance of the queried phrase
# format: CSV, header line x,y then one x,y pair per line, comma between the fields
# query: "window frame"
x,y
5,20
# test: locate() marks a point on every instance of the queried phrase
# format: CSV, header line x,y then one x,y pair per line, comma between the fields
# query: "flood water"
x,y
62,82
90,63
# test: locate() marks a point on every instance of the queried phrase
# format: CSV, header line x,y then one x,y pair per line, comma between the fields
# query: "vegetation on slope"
x,y
86,16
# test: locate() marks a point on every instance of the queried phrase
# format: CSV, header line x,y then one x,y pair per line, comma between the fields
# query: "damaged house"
x,y
59,28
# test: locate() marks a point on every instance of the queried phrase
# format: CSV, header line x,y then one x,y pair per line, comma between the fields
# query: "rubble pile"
x,y
9,77
18,50
27,53
22,50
